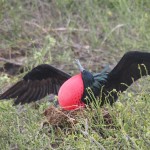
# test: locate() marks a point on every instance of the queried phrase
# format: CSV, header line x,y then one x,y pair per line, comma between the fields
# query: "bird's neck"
x,y
87,78
92,85
88,81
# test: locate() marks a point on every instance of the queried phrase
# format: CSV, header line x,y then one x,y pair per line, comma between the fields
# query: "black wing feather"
x,y
39,82
23,96
36,89
130,68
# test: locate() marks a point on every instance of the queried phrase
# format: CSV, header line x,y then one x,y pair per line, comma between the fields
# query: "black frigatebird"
x,y
72,91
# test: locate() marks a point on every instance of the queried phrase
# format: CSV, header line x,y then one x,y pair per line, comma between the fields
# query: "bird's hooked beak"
x,y
79,65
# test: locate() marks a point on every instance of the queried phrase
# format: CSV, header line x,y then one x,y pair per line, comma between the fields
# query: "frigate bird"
x,y
73,90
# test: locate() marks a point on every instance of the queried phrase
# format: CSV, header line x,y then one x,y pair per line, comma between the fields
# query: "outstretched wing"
x,y
39,82
132,66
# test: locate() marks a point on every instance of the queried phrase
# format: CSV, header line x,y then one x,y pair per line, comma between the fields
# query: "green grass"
x,y
97,32
130,128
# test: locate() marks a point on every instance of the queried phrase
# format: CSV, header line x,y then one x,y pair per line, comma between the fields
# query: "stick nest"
x,y
60,117
63,118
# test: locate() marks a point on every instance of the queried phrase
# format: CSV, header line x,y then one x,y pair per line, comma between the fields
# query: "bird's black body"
x,y
130,68
45,79
93,81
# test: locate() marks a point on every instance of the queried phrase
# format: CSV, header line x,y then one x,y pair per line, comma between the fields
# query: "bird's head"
x,y
71,92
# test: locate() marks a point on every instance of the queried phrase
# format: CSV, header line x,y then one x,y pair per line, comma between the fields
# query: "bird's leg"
x,y
79,65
